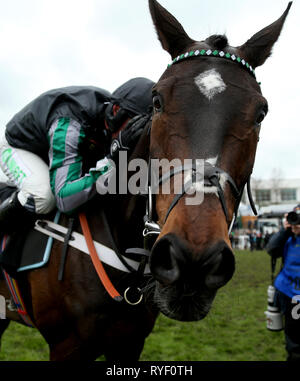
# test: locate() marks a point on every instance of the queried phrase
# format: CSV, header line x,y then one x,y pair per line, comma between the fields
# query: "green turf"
x,y
234,330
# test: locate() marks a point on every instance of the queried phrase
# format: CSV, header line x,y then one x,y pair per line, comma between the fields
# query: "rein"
x,y
133,294
96,261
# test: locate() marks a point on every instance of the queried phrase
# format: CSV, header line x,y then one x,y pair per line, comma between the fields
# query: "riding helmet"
x,y
134,98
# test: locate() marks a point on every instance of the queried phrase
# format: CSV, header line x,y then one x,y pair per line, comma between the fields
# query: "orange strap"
x,y
96,261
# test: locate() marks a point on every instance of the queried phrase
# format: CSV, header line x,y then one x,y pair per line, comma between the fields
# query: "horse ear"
x,y
259,47
170,32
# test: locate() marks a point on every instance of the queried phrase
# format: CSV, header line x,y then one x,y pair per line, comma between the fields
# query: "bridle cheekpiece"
x,y
211,172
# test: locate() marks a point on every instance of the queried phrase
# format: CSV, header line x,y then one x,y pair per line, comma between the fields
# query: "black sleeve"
x,y
276,244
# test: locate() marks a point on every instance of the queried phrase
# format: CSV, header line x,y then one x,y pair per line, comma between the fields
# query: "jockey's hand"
x,y
128,138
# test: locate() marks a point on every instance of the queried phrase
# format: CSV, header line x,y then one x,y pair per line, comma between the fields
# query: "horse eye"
x,y
157,104
261,117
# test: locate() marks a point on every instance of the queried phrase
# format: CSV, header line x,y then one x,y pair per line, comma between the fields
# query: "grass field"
x,y
234,330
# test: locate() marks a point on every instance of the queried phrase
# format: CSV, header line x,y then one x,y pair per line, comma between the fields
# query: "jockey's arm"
x,y
70,188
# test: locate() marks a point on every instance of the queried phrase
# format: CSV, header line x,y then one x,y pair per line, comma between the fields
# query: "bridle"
x,y
211,174
211,178
216,54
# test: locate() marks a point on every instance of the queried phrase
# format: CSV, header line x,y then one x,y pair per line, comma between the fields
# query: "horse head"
x,y
208,106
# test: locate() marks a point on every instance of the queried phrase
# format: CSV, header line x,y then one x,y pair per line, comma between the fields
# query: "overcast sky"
x,y
53,43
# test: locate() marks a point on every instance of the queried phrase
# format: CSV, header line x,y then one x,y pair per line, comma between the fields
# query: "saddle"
x,y
30,247
25,249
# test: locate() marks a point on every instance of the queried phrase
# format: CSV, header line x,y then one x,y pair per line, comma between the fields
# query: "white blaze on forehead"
x,y
210,83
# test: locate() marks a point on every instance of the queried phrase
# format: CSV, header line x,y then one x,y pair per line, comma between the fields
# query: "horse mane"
x,y
218,41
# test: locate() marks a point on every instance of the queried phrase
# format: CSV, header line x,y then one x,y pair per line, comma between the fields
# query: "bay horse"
x,y
208,106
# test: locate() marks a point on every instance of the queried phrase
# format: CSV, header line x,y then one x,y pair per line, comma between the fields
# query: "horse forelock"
x,y
217,41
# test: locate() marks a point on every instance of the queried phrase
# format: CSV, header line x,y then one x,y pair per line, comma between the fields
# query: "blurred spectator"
x,y
286,244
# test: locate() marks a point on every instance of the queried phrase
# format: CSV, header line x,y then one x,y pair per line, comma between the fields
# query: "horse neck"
x,y
123,213
132,207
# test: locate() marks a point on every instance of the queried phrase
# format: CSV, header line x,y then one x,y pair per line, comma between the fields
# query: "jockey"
x,y
55,149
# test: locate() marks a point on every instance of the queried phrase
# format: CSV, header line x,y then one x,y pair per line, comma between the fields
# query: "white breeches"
x,y
30,174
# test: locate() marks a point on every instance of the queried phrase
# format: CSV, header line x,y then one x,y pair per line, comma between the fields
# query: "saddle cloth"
x,y
31,248
24,248
24,251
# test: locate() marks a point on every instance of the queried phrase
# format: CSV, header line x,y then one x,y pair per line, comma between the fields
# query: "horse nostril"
x,y
221,270
163,264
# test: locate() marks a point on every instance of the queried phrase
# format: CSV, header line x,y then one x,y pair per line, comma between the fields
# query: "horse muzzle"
x,y
187,281
172,261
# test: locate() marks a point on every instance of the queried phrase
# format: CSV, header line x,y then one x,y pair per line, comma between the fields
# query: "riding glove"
x,y
107,170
